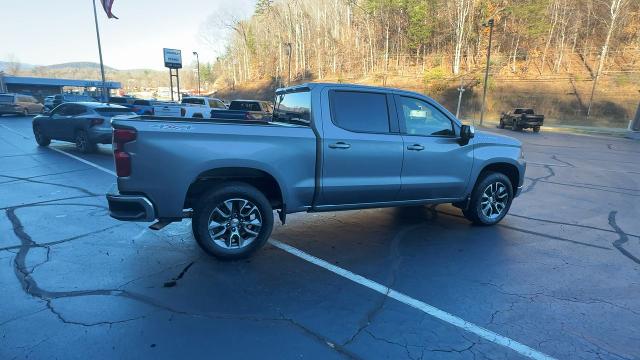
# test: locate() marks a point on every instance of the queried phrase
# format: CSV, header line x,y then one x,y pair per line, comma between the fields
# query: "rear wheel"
x,y
232,221
83,144
25,112
41,139
501,125
536,129
490,200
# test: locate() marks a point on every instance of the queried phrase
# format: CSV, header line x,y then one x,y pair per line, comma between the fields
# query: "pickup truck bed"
x,y
328,147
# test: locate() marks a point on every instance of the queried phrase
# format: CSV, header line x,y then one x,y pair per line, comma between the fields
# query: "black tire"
x,y
205,210
198,116
474,211
514,125
25,112
41,139
536,129
501,124
83,144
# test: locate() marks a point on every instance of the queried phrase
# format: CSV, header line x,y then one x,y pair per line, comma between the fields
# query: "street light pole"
x,y
486,72
460,91
198,64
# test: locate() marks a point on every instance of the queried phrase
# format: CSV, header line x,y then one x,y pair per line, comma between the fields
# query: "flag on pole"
x,y
106,5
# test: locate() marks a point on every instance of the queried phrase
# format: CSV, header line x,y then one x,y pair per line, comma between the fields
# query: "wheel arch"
x,y
260,179
508,169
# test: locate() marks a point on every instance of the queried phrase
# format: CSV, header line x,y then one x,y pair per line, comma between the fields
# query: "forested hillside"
x,y
571,47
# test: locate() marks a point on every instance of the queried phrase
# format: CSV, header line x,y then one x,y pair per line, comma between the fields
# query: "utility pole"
x,y
460,91
634,126
486,72
198,62
104,85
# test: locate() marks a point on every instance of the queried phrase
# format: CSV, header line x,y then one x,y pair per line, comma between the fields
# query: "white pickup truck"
x,y
200,106
190,107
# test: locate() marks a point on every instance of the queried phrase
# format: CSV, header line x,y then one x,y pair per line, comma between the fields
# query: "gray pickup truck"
x,y
327,147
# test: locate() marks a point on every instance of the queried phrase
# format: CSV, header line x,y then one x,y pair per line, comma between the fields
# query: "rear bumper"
x,y
129,207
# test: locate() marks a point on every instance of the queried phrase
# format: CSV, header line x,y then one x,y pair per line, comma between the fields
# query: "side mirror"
x,y
467,132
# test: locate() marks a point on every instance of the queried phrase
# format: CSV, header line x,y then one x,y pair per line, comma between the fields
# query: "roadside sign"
x,y
172,58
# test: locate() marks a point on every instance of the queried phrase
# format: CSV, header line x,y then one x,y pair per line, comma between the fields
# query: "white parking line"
x,y
417,304
405,299
83,161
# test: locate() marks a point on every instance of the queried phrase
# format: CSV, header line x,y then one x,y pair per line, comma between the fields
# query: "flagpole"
x,y
104,85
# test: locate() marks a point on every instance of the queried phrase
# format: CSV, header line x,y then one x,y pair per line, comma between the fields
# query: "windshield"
x,y
293,108
6,99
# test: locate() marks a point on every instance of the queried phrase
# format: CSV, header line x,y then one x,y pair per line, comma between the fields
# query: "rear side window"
x,y
110,111
244,106
75,109
118,100
360,111
7,99
293,108
195,101
142,102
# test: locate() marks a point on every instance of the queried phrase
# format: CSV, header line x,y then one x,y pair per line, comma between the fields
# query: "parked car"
x,y
245,110
126,101
84,123
521,118
65,98
48,102
168,108
329,147
145,107
18,104
200,106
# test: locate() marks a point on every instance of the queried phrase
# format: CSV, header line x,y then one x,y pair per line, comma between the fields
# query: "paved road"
x,y
560,275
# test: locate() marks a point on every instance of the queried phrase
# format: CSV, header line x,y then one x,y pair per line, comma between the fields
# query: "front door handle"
x,y
339,145
416,147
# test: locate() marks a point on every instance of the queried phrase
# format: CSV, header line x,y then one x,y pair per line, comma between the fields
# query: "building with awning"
x,y
40,87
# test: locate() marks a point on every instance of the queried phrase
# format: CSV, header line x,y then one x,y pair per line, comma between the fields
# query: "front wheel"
x,y
41,139
501,125
490,200
232,221
514,126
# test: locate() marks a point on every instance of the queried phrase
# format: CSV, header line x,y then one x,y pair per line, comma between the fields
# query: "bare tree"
x,y
460,12
616,8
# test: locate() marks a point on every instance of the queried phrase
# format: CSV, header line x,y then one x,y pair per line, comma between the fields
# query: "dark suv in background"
x,y
65,98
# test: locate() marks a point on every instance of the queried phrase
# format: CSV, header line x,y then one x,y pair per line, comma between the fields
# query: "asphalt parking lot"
x,y
559,277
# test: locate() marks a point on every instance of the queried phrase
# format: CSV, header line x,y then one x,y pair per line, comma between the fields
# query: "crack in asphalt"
x,y
553,237
555,157
49,201
622,238
18,179
569,224
535,181
31,180
588,186
173,282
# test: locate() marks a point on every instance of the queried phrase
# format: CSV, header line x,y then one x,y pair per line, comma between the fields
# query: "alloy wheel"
x,y
494,200
235,223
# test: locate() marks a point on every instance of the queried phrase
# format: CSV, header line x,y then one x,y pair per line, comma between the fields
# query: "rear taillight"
x,y
97,121
122,158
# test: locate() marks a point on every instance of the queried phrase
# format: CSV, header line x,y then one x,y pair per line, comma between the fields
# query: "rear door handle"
x,y
416,147
339,145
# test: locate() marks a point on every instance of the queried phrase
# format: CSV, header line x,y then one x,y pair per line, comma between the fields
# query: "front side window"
x,y
6,99
422,118
293,108
360,111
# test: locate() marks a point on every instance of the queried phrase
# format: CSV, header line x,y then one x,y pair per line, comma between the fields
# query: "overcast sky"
x,y
51,32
